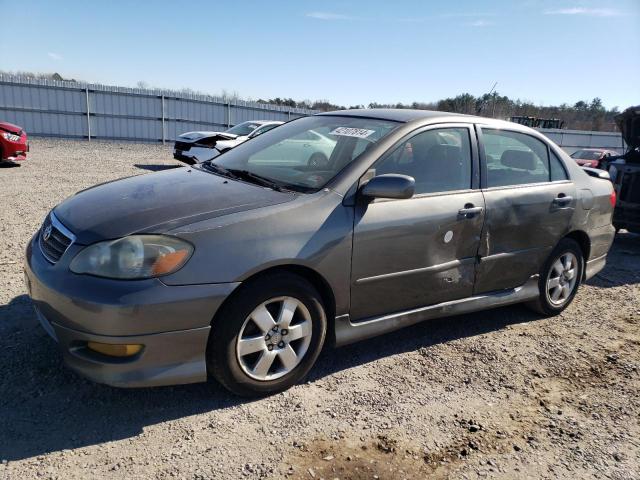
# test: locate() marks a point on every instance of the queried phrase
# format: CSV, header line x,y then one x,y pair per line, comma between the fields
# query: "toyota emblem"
x,y
47,233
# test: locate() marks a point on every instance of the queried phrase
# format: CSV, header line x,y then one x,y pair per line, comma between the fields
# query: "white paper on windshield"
x,y
352,132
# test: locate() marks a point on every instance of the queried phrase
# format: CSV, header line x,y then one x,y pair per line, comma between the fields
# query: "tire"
x,y
242,327
547,304
318,160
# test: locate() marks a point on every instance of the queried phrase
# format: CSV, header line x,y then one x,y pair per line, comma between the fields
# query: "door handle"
x,y
562,200
469,210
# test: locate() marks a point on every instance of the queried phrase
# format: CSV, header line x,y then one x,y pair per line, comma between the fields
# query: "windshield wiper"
x,y
255,178
217,169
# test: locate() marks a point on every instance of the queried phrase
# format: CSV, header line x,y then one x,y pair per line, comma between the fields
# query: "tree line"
x,y
582,115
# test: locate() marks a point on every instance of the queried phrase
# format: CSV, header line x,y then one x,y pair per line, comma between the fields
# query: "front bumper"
x,y
14,151
168,358
171,322
178,155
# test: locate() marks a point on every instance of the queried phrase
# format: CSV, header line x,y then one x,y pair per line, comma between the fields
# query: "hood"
x,y
195,136
11,128
158,202
629,124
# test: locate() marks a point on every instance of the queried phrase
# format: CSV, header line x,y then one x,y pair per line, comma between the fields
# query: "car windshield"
x,y
587,154
305,154
243,129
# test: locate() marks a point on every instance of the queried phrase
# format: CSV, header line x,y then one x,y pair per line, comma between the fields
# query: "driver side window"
x,y
439,160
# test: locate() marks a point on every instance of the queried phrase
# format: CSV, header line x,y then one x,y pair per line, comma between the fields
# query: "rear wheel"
x,y
318,160
559,279
268,336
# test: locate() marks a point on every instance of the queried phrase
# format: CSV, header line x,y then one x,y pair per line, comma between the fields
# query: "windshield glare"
x,y
307,153
243,129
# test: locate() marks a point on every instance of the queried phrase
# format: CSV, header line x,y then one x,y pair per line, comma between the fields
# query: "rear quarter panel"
x,y
594,212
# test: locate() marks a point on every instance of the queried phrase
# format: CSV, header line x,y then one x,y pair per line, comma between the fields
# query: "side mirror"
x,y
597,173
389,186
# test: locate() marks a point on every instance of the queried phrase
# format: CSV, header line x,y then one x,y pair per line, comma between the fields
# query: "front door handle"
x,y
562,200
469,210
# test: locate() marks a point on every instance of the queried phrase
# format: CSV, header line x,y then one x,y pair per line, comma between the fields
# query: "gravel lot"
x,y
499,394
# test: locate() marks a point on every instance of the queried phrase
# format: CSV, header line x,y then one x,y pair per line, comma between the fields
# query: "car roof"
x,y
406,115
395,114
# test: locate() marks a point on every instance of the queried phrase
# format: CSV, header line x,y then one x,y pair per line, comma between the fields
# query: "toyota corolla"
x,y
244,267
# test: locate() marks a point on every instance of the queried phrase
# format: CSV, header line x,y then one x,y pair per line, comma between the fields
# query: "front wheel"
x,y
268,336
559,279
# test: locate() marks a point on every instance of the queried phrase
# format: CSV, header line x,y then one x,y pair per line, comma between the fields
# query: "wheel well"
x,y
317,280
583,240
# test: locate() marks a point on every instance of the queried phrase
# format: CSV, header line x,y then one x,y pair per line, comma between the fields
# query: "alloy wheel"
x,y
562,279
274,338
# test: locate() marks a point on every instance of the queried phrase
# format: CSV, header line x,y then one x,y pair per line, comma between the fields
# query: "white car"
x,y
198,147
308,148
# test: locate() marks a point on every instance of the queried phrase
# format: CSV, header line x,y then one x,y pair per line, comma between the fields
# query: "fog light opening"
x,y
122,350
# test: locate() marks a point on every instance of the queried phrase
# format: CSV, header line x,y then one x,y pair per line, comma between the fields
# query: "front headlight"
x,y
11,136
133,257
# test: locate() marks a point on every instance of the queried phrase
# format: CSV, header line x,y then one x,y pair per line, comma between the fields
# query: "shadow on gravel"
x,y
9,164
623,263
156,168
44,407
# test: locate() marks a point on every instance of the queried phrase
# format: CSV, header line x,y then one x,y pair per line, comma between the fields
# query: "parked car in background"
x,y
625,172
14,144
198,147
244,266
308,148
593,157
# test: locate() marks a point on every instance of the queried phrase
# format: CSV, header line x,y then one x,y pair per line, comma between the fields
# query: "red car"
x,y
13,143
592,157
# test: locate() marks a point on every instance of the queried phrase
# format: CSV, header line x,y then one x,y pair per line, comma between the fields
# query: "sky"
x,y
348,52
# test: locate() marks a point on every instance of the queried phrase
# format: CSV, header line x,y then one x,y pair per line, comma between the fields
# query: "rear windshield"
x,y
243,129
307,153
587,154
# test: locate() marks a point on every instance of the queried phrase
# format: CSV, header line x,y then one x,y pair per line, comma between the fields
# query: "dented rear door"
x,y
528,211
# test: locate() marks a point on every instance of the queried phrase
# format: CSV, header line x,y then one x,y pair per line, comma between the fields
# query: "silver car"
x,y
198,147
244,267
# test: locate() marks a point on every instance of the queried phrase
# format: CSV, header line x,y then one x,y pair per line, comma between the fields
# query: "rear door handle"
x,y
562,200
469,211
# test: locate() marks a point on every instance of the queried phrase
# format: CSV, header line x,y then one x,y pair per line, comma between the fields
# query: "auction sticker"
x,y
352,132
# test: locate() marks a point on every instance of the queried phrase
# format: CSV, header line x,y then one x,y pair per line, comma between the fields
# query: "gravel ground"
x,y
499,394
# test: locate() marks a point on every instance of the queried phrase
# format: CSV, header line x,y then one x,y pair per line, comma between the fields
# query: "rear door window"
x,y
514,158
557,169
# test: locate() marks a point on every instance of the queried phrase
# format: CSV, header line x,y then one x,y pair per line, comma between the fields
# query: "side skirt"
x,y
348,332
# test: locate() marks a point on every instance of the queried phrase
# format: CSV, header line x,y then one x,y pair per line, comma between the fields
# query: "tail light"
x,y
612,198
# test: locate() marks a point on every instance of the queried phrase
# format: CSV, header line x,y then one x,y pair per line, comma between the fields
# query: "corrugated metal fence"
x,y
77,110
572,140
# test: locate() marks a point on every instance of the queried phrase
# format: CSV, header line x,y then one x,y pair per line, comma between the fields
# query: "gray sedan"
x,y
244,267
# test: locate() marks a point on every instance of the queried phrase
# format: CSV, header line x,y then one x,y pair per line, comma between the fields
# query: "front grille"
x,y
184,146
54,239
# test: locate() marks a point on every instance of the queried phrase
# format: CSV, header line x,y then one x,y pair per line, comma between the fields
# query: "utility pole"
x,y
493,110
481,106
